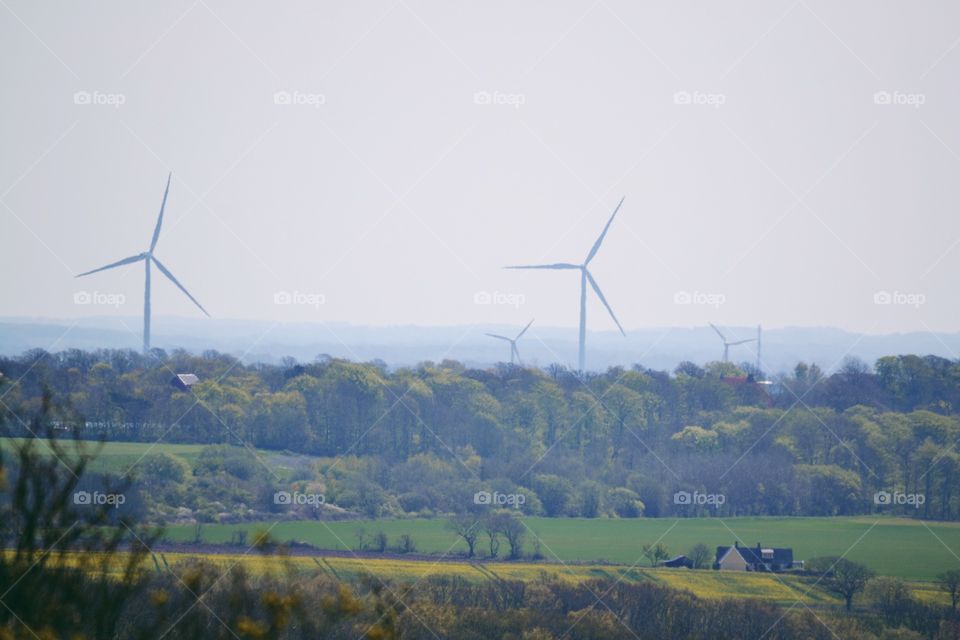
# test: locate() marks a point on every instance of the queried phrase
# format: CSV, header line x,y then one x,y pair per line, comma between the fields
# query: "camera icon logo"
x,y
81,97
482,497
282,497
81,497
482,297
482,97
682,297
882,97
82,297
282,97
882,297
682,497
882,498
682,97
282,297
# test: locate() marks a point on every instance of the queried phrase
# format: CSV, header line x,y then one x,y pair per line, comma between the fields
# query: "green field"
x,y
906,548
898,547
119,457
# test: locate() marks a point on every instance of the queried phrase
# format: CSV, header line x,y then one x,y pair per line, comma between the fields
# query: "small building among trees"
x,y
183,381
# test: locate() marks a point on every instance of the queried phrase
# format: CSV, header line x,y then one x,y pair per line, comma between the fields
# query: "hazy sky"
x,y
427,144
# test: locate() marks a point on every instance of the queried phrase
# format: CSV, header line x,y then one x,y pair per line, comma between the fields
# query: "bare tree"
x,y
699,555
467,526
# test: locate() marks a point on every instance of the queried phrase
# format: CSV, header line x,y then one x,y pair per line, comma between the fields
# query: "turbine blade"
x,y
118,263
596,245
524,330
732,344
156,231
167,273
556,265
493,335
596,289
722,337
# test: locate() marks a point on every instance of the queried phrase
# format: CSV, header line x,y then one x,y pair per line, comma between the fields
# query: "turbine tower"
x,y
514,352
727,344
759,344
148,258
585,277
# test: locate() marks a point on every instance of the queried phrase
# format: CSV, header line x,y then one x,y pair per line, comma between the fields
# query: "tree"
x,y
491,527
625,503
655,553
361,536
892,598
699,555
554,492
467,526
843,577
159,469
949,581
513,529
590,492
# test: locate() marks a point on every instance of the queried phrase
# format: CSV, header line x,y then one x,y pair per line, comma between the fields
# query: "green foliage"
x,y
844,577
624,503
423,440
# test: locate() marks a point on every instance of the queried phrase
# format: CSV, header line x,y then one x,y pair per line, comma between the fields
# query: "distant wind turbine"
x,y
148,258
727,344
759,346
585,276
514,352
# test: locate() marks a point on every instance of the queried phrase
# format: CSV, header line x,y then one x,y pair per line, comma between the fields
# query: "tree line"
x,y
622,443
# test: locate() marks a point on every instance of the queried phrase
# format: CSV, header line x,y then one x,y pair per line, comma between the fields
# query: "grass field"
x,y
897,547
119,457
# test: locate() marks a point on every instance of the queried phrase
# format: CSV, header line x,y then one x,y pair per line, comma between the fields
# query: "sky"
x,y
378,163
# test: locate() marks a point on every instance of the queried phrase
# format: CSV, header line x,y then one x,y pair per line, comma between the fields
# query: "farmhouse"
x,y
737,558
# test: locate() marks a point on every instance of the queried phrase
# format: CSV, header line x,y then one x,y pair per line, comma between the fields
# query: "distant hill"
x,y
661,348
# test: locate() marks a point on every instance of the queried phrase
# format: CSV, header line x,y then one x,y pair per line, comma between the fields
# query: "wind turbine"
x,y
585,277
727,344
148,258
759,345
513,342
